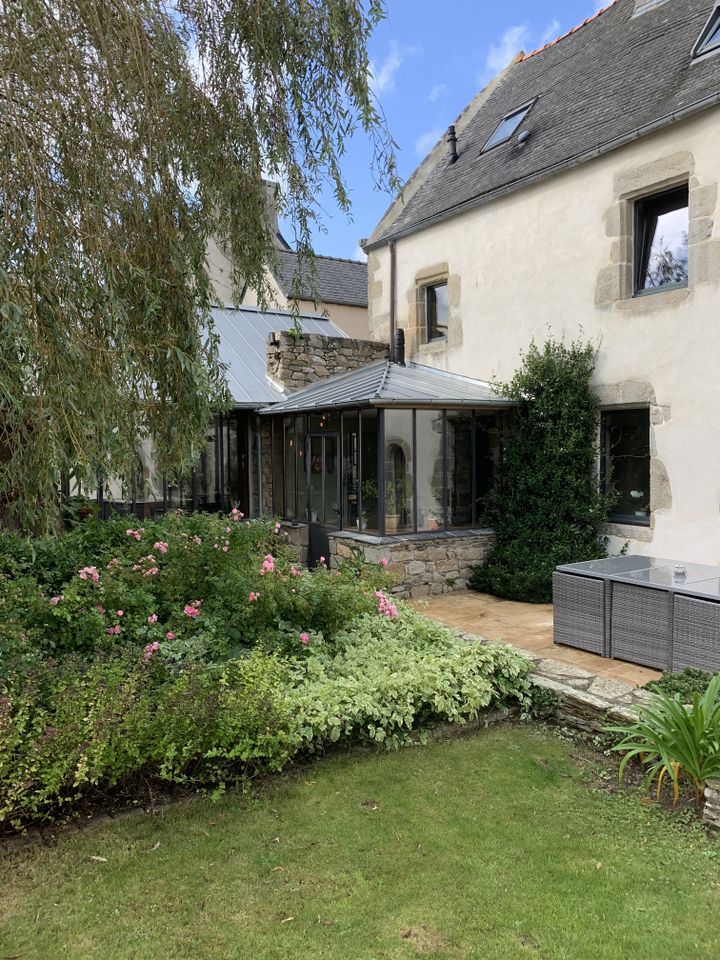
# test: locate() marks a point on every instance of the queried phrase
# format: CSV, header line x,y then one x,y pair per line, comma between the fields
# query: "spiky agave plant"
x,y
675,740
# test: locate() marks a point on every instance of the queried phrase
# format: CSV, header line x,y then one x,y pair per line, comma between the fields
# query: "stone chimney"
x,y
295,361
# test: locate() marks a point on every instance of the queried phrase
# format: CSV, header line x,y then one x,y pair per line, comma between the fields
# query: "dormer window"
x,y
709,39
507,126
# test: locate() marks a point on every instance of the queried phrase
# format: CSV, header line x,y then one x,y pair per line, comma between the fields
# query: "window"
x,y
709,39
399,500
436,311
661,241
430,472
507,126
625,463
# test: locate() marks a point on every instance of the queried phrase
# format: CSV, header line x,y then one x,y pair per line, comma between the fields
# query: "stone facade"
x,y
294,362
425,564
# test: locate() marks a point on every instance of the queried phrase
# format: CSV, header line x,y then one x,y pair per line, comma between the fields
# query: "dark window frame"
x,y
606,480
647,210
429,291
702,47
524,111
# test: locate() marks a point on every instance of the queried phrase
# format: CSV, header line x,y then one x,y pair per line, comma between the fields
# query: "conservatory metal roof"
x,y
243,333
386,384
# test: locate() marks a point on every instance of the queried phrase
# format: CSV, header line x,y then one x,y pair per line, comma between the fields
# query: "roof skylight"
x,y
709,39
507,126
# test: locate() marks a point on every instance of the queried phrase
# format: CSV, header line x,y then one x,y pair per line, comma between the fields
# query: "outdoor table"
x,y
696,626
582,600
641,626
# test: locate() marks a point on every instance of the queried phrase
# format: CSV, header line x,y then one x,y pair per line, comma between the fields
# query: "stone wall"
x,y
425,564
294,362
298,538
711,810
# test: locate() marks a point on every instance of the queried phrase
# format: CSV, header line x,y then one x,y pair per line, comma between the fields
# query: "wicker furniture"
x,y
641,609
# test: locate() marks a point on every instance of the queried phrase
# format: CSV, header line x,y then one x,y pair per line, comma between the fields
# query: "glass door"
x,y
323,492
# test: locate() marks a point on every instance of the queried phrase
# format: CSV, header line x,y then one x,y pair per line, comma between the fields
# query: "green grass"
x,y
491,846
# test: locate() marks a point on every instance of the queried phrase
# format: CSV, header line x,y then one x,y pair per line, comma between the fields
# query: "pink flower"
x,y
277,528
191,611
384,562
197,540
304,639
386,607
253,596
151,649
55,600
113,563
169,635
120,613
294,571
161,545
152,618
114,630
151,571
321,561
235,514
89,573
100,608
136,534
268,565
226,548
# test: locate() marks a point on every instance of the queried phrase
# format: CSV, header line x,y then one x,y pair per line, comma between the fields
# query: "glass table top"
x,y
704,589
614,566
664,577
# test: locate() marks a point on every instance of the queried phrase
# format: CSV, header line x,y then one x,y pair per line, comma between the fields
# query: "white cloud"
x,y
551,32
425,142
501,53
437,92
359,253
517,38
382,76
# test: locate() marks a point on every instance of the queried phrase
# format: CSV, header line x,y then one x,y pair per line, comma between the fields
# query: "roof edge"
x,y
419,175
692,109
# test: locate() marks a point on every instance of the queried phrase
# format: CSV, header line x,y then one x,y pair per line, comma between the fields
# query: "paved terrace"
x,y
528,626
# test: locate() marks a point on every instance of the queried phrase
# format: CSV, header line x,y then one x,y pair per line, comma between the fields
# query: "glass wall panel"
x,y
429,469
399,471
316,480
459,468
488,454
328,420
208,480
301,468
350,471
290,468
369,490
331,490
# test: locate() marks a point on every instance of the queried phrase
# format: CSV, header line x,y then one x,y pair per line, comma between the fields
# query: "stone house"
x,y
577,196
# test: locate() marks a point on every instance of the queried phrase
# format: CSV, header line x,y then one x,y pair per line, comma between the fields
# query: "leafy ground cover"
x,y
499,846
193,652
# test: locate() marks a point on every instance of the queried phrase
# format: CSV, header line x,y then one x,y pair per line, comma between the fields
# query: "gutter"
x,y
696,107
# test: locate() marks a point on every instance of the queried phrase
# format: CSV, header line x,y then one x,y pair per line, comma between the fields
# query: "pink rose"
x,y
384,562
191,611
151,649
152,618
120,613
169,635
253,596
55,600
161,545
304,639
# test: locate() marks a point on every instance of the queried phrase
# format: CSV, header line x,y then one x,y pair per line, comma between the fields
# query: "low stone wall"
x,y
711,810
297,538
294,362
425,564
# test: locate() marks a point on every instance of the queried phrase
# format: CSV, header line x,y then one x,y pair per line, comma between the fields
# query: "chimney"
x,y
452,143
400,346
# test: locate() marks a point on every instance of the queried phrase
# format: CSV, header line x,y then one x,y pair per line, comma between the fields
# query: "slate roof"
x,y
386,384
614,78
243,336
338,281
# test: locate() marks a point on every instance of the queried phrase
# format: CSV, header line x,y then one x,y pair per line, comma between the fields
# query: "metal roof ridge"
x,y
383,379
453,376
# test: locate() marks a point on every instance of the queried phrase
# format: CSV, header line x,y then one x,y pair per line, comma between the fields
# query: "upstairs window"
x,y
436,311
507,126
709,39
661,241
625,463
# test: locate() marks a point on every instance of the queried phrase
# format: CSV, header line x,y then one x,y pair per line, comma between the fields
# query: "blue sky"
x,y
429,61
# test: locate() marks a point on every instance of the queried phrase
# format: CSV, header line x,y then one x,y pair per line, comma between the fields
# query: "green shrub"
x,y
675,740
684,684
76,725
547,509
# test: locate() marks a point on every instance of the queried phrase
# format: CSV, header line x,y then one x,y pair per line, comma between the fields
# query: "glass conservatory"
x,y
413,451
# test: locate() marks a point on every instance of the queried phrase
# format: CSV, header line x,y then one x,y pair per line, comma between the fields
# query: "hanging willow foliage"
x,y
132,132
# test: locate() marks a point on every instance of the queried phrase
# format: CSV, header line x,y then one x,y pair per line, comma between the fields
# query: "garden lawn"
x,y
493,846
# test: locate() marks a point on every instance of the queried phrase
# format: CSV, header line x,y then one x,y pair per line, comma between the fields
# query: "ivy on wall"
x,y
548,508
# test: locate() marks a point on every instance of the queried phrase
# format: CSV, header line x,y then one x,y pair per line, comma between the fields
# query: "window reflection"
x,y
662,241
430,470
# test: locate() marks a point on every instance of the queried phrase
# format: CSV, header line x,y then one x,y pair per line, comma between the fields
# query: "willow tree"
x,y
131,132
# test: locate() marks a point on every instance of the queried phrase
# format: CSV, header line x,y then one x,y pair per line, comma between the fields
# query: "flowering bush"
x,y
188,649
